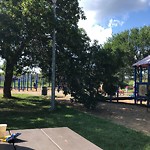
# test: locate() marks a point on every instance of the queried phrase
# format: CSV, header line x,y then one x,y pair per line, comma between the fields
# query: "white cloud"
x,y
99,11
99,33
93,30
110,8
115,23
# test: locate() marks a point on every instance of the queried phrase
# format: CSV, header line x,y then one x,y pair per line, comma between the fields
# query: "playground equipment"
x,y
28,81
142,87
24,82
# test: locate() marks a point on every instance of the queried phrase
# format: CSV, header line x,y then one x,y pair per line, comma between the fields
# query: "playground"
x,y
131,113
124,112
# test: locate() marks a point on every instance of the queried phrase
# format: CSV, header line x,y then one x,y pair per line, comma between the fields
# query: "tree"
x,y
134,44
26,32
83,72
88,70
140,42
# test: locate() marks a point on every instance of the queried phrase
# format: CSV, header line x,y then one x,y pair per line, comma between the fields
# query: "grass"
x,y
26,111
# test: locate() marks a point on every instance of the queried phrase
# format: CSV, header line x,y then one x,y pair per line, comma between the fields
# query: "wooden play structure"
x,y
142,80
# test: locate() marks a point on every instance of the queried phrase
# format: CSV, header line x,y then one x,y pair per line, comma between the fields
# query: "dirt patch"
x,y
127,114
132,116
38,92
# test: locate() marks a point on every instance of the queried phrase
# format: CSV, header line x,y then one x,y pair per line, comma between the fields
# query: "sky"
x,y
108,17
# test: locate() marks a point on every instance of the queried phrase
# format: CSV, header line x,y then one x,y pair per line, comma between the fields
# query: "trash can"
x,y
44,90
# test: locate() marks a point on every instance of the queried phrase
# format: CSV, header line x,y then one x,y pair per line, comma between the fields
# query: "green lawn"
x,y
26,111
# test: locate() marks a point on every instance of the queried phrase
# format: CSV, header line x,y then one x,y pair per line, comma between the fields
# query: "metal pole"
x,y
135,84
53,60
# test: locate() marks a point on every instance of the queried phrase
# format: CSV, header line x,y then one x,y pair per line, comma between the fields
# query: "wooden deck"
x,y
49,139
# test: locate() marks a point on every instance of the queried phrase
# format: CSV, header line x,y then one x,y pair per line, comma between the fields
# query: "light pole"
x,y
53,60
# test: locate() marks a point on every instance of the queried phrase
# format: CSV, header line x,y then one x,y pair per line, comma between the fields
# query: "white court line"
x,y
52,140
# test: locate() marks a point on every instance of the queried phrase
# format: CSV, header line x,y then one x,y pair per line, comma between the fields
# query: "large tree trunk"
x,y
8,80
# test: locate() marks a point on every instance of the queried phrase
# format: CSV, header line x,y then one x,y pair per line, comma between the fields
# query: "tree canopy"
x,y
26,33
135,43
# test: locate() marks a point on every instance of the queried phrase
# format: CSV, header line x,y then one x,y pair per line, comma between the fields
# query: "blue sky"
x,y
136,19
107,17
